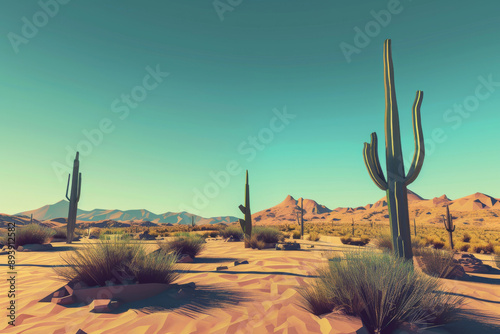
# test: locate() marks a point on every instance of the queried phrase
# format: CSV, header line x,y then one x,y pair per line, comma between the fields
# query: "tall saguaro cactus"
x,y
448,225
397,181
76,187
246,224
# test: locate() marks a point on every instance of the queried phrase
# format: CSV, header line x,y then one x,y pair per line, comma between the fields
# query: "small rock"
x,y
237,263
66,300
101,306
221,268
191,285
81,332
60,293
20,248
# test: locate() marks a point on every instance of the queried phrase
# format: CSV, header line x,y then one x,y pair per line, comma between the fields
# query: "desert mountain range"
x,y
476,209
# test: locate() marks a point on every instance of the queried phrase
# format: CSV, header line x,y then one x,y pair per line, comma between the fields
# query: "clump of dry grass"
x,y
30,234
314,236
383,290
184,243
437,262
99,262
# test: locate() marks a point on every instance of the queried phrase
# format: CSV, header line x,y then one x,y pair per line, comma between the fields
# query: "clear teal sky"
x,y
225,79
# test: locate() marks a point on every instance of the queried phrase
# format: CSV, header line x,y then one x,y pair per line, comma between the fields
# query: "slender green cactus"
x,y
76,187
302,218
246,224
448,224
397,180
415,226
353,227
192,221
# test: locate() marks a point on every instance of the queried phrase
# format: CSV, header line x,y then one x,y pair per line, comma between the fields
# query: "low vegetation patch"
x,y
437,262
382,290
30,234
268,235
99,262
314,236
189,244
232,231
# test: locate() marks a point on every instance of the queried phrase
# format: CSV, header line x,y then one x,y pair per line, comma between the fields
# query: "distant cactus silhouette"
x,y
302,218
192,221
76,187
397,180
415,226
448,224
246,224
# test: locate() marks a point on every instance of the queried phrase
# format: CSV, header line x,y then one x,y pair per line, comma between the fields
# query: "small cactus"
x,y
76,187
302,218
448,224
246,224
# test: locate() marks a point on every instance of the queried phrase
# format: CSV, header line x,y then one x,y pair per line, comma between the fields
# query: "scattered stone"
x,y
237,263
102,305
60,293
81,332
191,285
20,248
66,300
290,246
185,259
221,268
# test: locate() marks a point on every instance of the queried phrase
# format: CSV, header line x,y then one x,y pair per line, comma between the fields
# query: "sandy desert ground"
x,y
258,297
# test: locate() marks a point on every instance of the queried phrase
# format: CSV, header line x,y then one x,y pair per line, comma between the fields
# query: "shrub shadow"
x,y
213,259
187,300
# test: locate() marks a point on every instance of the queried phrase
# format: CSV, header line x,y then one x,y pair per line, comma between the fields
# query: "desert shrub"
x,y
214,234
268,235
32,234
190,245
466,237
437,262
296,235
365,239
384,291
313,236
99,262
232,231
438,244
60,232
256,243
496,250
384,241
484,248
315,298
462,246
345,240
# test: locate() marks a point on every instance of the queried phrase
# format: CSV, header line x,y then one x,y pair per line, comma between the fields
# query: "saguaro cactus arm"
x,y
372,163
79,187
67,187
418,156
448,222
